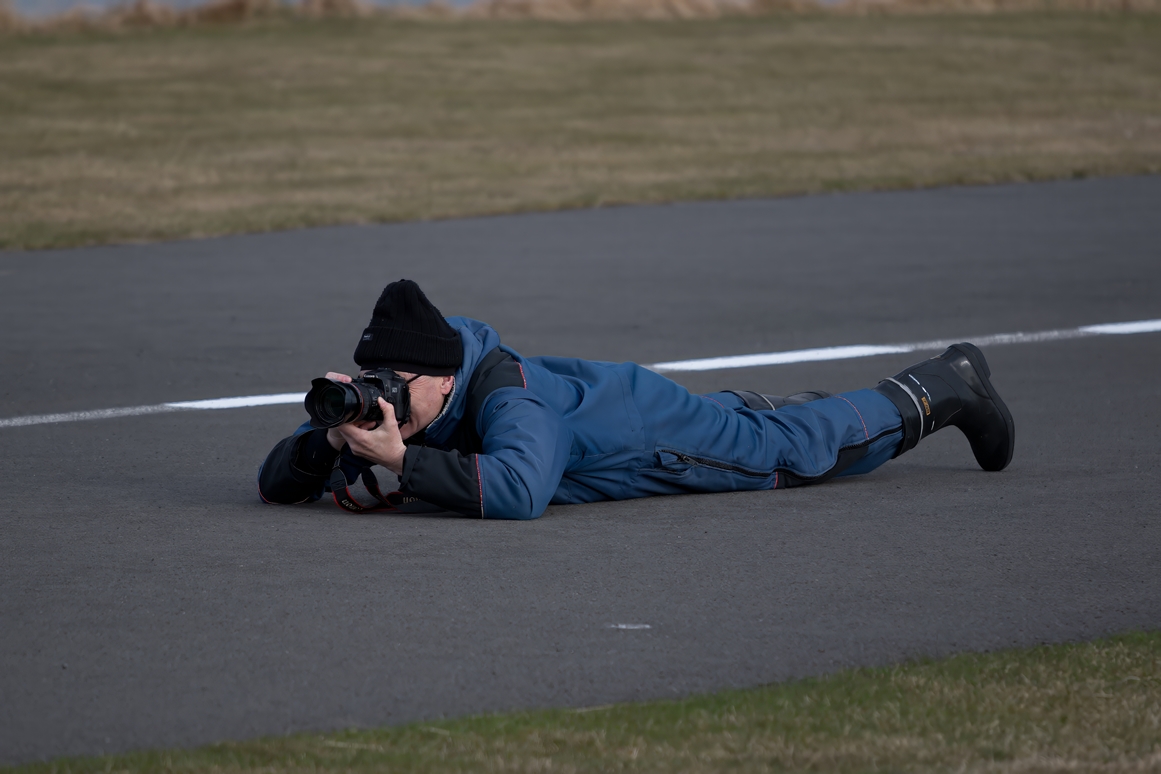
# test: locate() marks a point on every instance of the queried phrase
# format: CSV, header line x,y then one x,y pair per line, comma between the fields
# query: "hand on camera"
x,y
382,445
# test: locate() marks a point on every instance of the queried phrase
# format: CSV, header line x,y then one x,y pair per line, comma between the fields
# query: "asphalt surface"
x,y
147,598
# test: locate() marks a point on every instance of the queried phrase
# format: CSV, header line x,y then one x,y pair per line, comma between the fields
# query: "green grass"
x,y
1080,708
157,134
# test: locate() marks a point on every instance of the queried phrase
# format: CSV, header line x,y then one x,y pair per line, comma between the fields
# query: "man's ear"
x,y
446,386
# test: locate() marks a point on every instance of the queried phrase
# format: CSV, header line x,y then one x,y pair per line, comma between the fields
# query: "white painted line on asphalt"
x,y
867,350
705,364
79,416
160,408
253,400
780,358
630,626
1141,326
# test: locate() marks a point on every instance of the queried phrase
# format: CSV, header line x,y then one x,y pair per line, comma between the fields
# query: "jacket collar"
x,y
478,339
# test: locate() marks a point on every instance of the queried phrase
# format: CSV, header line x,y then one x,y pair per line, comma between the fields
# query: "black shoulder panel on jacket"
x,y
497,369
451,479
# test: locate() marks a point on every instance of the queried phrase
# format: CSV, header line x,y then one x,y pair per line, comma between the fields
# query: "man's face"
x,y
427,396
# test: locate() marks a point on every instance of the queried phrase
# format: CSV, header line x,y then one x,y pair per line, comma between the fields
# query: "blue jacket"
x,y
564,430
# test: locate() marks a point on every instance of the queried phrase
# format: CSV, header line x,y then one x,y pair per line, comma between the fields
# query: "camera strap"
x,y
345,500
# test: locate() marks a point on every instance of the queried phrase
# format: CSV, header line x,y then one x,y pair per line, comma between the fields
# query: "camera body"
x,y
331,403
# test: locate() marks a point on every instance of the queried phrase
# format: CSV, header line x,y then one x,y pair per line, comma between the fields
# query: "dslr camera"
x,y
331,403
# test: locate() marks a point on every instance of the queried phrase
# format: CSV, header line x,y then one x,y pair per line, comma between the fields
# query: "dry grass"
x,y
282,123
1087,708
134,14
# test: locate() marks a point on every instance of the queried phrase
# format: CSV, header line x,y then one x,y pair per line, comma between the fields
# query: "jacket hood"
x,y
478,339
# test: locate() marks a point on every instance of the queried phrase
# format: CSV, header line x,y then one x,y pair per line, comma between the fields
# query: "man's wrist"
x,y
395,462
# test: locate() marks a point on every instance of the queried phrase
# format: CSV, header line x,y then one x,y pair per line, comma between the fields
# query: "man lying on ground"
x,y
492,434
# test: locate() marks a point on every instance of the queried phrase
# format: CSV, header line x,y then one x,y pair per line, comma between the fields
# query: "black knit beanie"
x,y
407,333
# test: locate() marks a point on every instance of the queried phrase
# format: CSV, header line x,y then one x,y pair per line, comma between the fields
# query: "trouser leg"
x,y
954,389
857,432
760,402
882,450
811,441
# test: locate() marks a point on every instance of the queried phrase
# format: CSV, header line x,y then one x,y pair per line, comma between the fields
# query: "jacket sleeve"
x,y
525,450
297,468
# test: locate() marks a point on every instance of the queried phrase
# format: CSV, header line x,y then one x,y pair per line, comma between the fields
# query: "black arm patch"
x,y
282,480
444,478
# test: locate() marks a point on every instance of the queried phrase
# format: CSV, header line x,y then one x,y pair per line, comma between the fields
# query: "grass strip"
x,y
285,123
1078,708
138,14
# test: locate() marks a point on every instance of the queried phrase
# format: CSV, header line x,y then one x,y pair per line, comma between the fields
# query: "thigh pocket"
x,y
674,471
677,461
672,462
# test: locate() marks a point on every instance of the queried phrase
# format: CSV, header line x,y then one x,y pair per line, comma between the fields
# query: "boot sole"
x,y
976,358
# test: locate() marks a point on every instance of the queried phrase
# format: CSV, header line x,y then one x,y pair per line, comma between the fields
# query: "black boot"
x,y
759,402
954,389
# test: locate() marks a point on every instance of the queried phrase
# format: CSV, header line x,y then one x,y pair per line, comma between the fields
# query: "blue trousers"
x,y
876,423
738,448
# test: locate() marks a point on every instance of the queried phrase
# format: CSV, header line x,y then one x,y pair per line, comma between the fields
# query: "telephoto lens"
x,y
331,403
